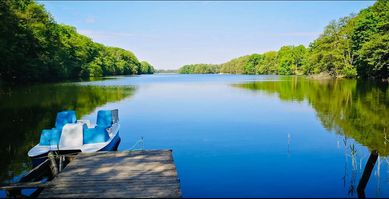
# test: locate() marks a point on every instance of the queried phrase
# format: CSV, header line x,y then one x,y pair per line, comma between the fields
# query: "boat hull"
x,y
112,146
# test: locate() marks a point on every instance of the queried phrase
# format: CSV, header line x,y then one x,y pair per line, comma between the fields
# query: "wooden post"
x,y
61,162
53,164
366,174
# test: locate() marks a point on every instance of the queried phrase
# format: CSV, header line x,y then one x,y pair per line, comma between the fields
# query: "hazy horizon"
x,y
172,34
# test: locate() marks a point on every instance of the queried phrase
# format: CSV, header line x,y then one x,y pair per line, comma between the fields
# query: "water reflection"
x,y
25,111
353,109
234,142
359,110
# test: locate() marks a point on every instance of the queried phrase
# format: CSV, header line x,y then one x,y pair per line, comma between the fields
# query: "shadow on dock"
x,y
134,174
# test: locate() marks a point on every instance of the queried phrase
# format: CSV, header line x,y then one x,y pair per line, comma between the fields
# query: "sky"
x,y
169,34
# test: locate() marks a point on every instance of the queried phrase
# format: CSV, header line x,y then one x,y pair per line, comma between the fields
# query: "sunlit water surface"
x,y
231,135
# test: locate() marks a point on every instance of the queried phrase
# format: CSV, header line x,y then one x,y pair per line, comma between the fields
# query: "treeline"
x,y
33,47
199,69
353,46
166,71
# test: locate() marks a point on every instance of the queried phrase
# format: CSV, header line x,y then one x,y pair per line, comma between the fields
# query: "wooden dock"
x,y
129,174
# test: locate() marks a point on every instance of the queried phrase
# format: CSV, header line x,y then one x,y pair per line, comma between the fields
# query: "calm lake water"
x,y
231,135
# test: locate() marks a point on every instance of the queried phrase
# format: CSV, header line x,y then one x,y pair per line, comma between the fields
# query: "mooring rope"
x,y
141,142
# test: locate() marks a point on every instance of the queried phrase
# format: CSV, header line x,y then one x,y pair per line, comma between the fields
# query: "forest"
x,y
34,48
356,46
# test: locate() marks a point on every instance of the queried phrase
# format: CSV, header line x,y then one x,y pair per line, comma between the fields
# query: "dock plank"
x,y
144,174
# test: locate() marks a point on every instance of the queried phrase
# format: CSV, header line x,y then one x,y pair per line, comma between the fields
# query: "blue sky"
x,y
171,34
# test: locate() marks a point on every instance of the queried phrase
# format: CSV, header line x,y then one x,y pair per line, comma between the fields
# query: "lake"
x,y
231,135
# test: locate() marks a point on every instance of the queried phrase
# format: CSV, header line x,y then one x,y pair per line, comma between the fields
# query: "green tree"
x,y
252,63
199,69
146,68
331,52
375,56
286,63
371,26
268,64
33,47
235,66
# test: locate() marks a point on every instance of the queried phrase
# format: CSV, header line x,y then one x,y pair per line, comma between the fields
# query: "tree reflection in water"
x,y
25,111
353,109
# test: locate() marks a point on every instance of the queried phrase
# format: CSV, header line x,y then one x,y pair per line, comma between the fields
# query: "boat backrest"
x,y
95,135
49,137
104,118
115,116
45,137
65,117
72,136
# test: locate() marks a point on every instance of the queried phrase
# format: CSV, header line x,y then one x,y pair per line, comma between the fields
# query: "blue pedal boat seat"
x,y
104,118
52,136
70,135
65,117
99,133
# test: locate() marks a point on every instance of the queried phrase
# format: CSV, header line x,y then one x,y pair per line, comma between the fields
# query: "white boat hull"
x,y
40,152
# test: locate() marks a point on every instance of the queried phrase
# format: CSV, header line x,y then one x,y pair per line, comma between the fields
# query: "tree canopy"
x,y
33,47
353,46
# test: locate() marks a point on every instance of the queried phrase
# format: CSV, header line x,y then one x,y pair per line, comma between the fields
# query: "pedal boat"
x,y
72,136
